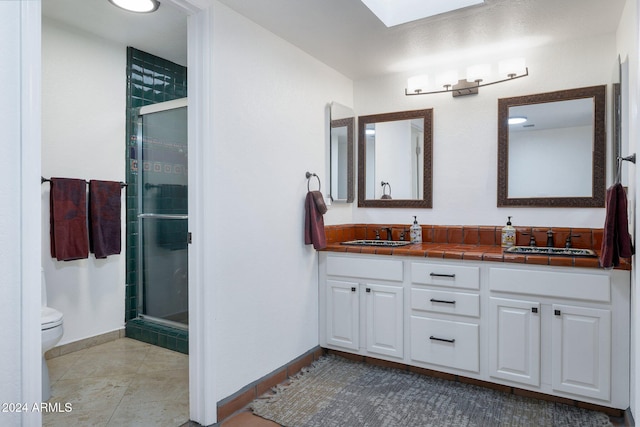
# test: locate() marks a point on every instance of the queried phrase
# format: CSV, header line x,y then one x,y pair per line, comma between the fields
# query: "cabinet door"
x,y
581,351
342,314
384,322
514,340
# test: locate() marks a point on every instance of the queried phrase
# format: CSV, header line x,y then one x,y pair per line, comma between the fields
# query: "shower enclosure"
x,y
162,217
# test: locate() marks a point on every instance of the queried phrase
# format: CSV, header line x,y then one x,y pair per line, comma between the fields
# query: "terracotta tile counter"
x,y
476,243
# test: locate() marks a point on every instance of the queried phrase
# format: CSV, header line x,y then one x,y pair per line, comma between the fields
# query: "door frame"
x,y
202,391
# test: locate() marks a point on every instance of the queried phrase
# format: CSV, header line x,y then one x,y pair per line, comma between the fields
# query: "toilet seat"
x,y
50,318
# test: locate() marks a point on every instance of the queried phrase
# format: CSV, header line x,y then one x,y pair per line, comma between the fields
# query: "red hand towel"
x,y
616,241
104,218
68,203
313,221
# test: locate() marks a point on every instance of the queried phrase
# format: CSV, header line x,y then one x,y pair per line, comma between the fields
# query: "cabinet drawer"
x,y
455,276
593,287
379,268
445,343
459,303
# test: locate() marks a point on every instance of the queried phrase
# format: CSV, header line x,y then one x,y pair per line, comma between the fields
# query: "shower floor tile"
x,y
122,382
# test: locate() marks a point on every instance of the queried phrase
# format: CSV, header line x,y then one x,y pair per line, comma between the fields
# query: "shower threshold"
x,y
172,322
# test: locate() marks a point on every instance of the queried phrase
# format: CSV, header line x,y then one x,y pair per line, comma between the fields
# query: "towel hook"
x,y
309,175
631,158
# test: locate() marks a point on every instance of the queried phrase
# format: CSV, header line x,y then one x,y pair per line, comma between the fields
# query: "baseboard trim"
x,y
240,399
628,418
84,343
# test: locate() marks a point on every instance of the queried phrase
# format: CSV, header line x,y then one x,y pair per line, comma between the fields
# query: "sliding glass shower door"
x,y
162,219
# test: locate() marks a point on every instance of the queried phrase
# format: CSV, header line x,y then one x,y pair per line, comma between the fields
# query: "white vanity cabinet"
x,y
562,331
445,315
362,305
342,314
514,340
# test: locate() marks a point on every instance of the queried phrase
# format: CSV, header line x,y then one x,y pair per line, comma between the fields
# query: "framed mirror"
x,y
341,149
395,159
553,154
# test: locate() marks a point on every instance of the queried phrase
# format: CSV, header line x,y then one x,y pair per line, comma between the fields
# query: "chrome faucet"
x,y
389,233
567,243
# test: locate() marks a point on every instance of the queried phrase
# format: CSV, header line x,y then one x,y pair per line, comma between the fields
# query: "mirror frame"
x,y
598,93
347,122
427,195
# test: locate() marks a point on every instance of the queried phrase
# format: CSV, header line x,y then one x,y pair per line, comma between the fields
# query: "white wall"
x,y
269,128
10,300
20,352
465,135
627,42
83,136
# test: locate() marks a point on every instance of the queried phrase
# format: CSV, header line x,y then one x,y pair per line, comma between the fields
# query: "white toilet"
x,y
51,334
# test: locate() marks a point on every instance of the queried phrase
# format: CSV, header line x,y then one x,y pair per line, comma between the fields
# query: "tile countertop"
x,y
475,243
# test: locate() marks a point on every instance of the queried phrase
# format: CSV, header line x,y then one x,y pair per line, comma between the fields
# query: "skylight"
x,y
396,12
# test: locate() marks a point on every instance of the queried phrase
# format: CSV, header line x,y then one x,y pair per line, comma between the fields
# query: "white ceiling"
x,y
162,33
347,36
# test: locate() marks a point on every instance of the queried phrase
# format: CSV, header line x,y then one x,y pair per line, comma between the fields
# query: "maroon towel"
x,y
68,203
314,207
104,218
616,241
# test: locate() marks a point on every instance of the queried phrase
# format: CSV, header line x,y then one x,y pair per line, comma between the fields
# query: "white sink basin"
x,y
535,250
382,243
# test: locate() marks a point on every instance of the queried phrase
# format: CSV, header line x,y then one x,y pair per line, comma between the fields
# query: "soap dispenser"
x,y
415,231
508,235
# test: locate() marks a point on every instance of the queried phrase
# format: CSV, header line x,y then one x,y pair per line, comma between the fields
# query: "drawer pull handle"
x,y
452,340
442,275
442,301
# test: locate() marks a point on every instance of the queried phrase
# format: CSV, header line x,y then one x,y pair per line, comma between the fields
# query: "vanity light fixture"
x,y
476,75
138,6
516,120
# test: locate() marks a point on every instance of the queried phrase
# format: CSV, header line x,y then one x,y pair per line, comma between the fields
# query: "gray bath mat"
x,y
339,392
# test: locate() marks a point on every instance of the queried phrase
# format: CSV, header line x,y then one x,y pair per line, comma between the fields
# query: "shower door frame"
x,y
142,111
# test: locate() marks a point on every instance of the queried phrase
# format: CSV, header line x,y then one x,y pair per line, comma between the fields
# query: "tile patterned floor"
x,y
131,383
120,383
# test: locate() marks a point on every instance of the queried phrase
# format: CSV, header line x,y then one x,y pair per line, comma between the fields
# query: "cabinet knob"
x,y
557,312
368,290
353,289
534,309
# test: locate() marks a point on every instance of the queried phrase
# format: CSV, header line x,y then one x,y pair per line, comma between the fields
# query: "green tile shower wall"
x,y
160,335
150,80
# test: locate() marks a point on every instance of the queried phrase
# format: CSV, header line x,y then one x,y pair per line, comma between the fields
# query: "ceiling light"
x,y
139,6
447,79
398,12
479,72
511,67
418,83
476,76
516,120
